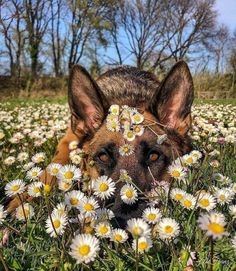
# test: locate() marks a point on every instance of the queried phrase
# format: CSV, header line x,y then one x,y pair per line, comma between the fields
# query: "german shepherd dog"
x,y
166,105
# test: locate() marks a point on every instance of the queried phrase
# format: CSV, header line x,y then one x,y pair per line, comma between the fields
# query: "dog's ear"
x,y
87,102
173,100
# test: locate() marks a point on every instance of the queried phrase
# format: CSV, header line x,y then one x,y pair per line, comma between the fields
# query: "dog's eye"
x,y
153,156
104,157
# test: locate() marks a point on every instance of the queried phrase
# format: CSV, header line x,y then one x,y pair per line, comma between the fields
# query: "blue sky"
x,y
227,12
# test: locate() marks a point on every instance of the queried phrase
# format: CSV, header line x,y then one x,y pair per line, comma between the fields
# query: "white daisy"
x,y
188,201
14,187
137,118
151,215
118,236
56,224
73,145
138,130
223,196
22,156
104,214
177,171
34,173
74,198
38,158
232,210
206,201
34,189
88,206
129,135
84,248
189,159
104,187
138,227
114,109
10,160
213,223
69,173
24,212
142,244
113,126
53,169
103,229
177,194
126,150
129,194
64,185
60,209
168,228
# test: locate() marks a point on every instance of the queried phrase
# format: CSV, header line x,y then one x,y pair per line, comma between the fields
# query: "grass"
x,y
31,248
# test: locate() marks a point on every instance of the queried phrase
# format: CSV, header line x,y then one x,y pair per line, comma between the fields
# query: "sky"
x,y
227,13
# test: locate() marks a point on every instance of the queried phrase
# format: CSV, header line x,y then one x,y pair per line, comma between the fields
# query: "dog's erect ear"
x,y
172,102
87,102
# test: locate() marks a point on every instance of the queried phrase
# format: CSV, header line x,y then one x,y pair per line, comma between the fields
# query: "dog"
x,y
166,106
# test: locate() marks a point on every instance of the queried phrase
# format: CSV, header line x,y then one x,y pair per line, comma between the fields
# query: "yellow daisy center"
x,y
16,187
204,202
142,245
129,134
222,197
68,174
103,187
137,129
88,229
152,216
114,111
1,135
56,224
129,194
34,173
103,229
216,228
126,149
84,250
137,118
188,203
24,212
189,160
55,170
88,207
47,188
168,229
113,125
137,230
117,237
178,196
74,201
36,189
39,159
175,173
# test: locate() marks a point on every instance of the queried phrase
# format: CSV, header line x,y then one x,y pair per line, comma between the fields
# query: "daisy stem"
x,y
3,261
212,253
136,255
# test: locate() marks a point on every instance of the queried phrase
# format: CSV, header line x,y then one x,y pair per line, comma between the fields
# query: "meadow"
x,y
190,222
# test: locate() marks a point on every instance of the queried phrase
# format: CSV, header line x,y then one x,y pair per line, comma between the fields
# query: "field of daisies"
x,y
188,225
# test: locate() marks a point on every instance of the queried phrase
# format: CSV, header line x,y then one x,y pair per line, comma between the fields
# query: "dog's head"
x,y
166,114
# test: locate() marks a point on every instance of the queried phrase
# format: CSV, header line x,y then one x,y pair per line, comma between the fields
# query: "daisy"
x,y
46,189
69,173
138,227
206,201
104,214
151,215
104,187
84,248
177,194
34,189
53,169
137,118
196,154
28,166
24,212
113,126
38,158
189,159
75,159
103,229
124,176
112,117
56,224
114,109
34,173
14,187
129,135
138,130
232,210
118,236
126,150
88,206
73,145
188,201
128,194
9,160
223,196
60,209
177,172
168,228
213,223
3,214
74,198
64,185
22,156
142,244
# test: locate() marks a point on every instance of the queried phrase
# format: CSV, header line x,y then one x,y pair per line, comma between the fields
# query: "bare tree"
x,y
36,20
